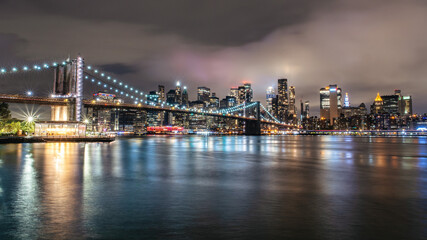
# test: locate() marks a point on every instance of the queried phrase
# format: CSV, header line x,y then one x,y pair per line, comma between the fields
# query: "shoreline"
x,y
37,139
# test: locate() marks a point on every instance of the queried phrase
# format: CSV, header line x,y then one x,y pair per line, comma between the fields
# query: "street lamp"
x,y
30,119
29,93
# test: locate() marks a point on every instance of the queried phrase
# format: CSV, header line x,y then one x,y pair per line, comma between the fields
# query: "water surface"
x,y
239,187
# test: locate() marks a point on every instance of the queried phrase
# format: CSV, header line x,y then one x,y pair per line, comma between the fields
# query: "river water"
x,y
233,187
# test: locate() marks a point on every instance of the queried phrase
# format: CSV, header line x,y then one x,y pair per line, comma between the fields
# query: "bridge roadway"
x,y
88,103
14,98
9,98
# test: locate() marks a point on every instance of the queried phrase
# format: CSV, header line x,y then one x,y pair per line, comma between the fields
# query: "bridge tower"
x,y
68,84
253,127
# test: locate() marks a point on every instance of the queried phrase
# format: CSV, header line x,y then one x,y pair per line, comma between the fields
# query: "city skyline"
x,y
303,43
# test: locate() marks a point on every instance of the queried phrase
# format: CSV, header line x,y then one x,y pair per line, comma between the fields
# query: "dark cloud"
x,y
209,21
119,68
10,44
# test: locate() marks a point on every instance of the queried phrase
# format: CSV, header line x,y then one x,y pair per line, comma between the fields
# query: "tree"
x,y
4,111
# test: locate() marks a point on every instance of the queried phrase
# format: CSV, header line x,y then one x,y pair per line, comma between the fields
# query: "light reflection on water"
x,y
328,187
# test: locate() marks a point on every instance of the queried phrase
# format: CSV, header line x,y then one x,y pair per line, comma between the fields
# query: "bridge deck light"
x,y
3,70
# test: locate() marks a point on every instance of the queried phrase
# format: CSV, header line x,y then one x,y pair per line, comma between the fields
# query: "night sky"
x,y
363,46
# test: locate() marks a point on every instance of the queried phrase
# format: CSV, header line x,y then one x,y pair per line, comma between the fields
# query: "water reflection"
x,y
336,187
26,204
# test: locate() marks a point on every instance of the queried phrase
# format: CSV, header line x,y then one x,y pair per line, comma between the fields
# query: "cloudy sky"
x,y
363,46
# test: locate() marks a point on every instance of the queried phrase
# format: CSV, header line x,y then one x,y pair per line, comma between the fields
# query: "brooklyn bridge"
x,y
129,109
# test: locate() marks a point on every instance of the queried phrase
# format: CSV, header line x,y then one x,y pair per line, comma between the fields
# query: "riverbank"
x,y
37,139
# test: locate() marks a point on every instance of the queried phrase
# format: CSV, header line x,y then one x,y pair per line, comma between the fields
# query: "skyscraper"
x,y
377,106
346,101
307,109
171,97
292,108
178,93
282,99
185,96
302,112
234,92
406,105
161,93
245,93
271,94
203,94
390,104
330,103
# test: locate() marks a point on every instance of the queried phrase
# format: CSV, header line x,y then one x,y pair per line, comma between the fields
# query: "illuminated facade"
x,y
406,105
282,99
68,83
346,101
292,108
178,93
234,92
377,106
330,103
60,128
245,93
161,92
203,94
270,95
185,97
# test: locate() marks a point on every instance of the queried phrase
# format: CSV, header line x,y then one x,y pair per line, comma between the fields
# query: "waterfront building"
x,y
330,103
354,111
60,128
198,104
155,118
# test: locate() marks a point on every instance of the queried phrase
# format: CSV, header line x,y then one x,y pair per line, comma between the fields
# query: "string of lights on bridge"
x,y
275,119
36,67
128,91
